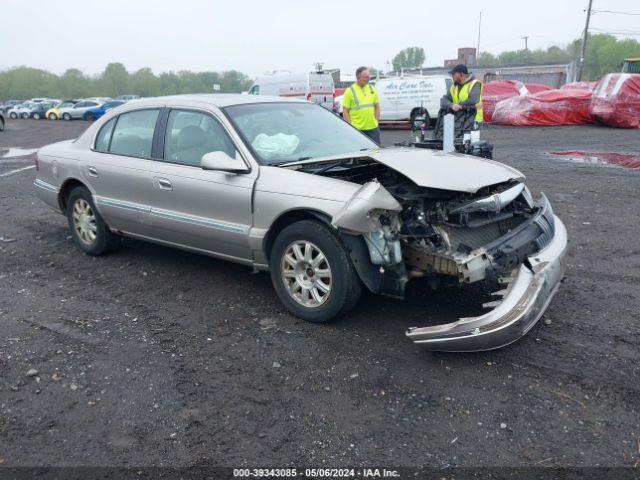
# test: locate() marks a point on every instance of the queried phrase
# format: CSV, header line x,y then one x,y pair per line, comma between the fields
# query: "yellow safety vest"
x,y
459,94
362,112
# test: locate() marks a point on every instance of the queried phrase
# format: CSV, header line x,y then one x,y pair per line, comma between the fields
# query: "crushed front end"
x,y
454,237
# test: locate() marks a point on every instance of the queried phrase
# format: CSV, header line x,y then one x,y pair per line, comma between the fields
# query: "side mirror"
x,y
222,162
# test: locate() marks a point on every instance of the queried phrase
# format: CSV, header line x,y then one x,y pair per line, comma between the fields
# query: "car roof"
x,y
216,99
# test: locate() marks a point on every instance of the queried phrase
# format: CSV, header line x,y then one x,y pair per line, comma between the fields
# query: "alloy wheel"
x,y
306,273
84,222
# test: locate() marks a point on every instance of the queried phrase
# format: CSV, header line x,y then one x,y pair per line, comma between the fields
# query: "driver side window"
x,y
191,134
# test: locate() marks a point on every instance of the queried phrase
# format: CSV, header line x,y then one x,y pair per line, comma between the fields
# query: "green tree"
x,y
411,57
143,82
115,80
74,84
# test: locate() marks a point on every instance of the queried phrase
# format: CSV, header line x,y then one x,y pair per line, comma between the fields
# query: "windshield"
x,y
287,132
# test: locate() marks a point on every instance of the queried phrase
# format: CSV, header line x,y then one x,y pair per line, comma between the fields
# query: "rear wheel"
x,y
13,115
53,116
90,233
66,116
37,116
24,116
312,272
90,117
420,119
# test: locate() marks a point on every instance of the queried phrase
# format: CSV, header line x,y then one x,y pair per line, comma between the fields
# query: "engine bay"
x,y
442,232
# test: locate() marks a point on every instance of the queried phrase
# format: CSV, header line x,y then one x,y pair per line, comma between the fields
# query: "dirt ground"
x,y
152,356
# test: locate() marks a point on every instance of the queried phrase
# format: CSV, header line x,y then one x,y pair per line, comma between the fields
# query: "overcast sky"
x,y
255,37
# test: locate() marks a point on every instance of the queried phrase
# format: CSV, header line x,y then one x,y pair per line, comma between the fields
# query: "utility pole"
x,y
478,49
526,42
583,47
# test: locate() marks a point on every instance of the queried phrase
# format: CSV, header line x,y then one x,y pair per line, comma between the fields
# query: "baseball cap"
x,y
461,68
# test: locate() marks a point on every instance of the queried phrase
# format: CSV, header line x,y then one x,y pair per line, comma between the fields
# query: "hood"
x,y
445,171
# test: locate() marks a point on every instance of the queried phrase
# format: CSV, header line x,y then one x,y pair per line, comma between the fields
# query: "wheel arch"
x,y
287,218
66,188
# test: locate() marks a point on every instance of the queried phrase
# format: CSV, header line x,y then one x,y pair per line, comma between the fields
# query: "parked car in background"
x,y
287,187
54,112
126,98
6,106
78,110
18,110
95,113
39,110
411,99
316,87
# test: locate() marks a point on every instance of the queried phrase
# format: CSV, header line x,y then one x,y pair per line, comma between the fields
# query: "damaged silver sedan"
x,y
288,187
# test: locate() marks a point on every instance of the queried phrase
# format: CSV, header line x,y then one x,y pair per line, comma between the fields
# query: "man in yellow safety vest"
x,y
464,95
361,107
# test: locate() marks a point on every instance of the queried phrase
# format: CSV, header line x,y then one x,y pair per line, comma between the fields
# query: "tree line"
x,y
26,82
605,54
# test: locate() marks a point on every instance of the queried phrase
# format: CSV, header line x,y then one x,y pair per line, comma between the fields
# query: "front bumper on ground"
x,y
525,299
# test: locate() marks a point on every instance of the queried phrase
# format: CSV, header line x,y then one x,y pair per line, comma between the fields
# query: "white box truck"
x,y
315,87
414,99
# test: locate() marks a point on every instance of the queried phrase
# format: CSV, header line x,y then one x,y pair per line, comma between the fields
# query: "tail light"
x,y
308,96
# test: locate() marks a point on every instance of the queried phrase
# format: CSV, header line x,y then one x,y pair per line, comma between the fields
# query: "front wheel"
x,y
90,117
52,116
13,115
88,229
67,116
312,272
36,116
24,116
420,119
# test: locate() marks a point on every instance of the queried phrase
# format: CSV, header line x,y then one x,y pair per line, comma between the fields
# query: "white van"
x,y
402,98
316,87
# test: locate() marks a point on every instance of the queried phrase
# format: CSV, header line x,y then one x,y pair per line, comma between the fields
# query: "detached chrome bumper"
x,y
526,297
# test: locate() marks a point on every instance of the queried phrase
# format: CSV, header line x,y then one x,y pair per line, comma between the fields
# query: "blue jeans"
x,y
373,134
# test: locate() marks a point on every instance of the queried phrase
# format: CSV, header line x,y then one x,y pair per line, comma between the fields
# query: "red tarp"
x,y
568,106
537,87
616,100
494,92
580,85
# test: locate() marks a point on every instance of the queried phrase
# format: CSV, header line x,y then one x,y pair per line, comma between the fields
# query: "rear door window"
x,y
104,136
133,133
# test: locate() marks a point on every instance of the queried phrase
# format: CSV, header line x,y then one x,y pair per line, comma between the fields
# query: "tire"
x,y
102,240
53,116
13,115
344,287
90,117
37,116
24,116
66,116
420,119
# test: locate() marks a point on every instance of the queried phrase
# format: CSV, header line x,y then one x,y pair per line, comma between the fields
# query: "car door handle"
x,y
93,171
165,184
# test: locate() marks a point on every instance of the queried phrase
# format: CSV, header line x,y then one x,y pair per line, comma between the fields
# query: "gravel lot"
x,y
151,356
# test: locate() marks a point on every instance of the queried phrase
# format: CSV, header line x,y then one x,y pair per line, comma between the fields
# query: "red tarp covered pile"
x,y
568,106
494,92
580,85
616,100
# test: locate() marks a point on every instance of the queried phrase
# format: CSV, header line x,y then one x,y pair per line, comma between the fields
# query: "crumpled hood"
x,y
446,171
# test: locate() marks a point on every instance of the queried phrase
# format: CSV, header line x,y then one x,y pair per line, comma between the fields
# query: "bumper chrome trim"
x,y
527,296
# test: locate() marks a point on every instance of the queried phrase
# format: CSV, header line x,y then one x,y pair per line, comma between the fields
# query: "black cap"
x,y
460,69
